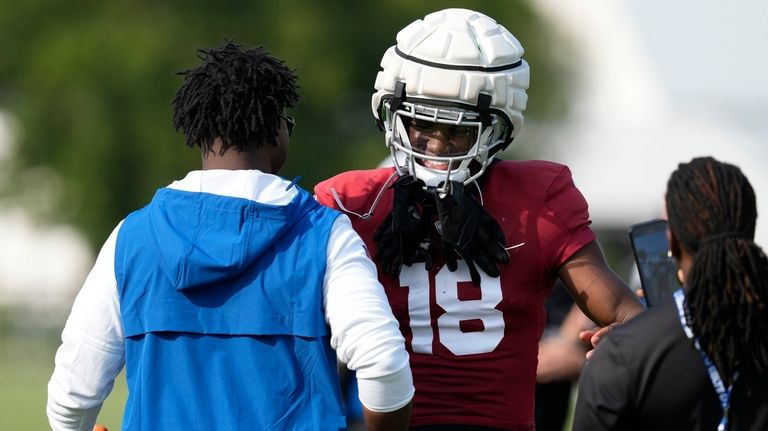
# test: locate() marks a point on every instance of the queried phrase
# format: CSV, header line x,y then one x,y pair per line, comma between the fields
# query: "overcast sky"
x,y
708,50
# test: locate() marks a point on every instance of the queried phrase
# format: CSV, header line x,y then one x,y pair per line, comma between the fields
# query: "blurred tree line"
x,y
90,85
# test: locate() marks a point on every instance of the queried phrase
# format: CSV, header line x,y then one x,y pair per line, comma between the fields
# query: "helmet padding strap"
x,y
398,96
483,107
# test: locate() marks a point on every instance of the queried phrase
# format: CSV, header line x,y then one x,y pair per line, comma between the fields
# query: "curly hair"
x,y
236,95
712,211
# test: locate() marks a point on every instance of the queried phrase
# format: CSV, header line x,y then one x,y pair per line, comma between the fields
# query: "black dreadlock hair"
x,y
237,95
712,211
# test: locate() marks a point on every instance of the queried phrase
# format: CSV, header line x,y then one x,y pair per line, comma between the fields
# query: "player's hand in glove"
x,y
470,233
403,237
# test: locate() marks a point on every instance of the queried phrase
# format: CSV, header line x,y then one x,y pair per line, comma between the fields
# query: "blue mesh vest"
x,y
222,305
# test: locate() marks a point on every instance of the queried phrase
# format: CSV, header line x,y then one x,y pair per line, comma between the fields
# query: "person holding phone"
x,y
698,360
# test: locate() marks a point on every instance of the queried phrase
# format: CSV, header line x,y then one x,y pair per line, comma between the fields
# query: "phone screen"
x,y
657,269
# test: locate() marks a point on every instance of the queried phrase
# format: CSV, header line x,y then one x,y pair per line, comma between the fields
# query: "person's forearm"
x,y
64,418
629,309
364,332
628,305
600,293
604,298
386,393
388,421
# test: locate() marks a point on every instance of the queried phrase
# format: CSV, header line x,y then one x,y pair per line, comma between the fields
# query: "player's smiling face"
x,y
444,140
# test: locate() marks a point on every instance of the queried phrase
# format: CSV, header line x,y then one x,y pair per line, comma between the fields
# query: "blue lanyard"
x,y
722,393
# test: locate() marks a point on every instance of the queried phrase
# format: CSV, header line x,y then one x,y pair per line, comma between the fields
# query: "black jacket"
x,y
646,375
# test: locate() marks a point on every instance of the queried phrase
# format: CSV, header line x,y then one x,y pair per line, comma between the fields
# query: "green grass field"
x,y
26,364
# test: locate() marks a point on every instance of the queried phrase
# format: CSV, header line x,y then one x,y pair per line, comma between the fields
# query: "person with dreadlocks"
x,y
224,296
698,361
469,247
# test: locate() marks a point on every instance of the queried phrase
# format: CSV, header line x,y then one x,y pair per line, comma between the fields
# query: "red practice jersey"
x,y
474,349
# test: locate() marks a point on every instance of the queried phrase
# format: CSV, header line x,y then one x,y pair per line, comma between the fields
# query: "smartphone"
x,y
657,269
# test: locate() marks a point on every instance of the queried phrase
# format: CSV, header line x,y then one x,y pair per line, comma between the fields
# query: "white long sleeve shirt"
x,y
364,332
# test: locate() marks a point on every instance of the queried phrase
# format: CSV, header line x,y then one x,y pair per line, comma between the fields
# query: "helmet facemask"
x,y
486,139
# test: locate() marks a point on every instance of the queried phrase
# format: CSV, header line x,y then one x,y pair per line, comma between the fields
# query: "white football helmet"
x,y
458,67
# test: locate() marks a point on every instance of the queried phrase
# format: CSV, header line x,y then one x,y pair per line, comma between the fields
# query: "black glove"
x,y
403,237
470,233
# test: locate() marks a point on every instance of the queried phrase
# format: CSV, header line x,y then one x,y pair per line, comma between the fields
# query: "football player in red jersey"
x,y
451,94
